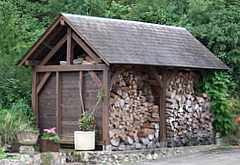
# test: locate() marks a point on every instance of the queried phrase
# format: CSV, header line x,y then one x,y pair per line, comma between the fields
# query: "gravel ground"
x,y
214,157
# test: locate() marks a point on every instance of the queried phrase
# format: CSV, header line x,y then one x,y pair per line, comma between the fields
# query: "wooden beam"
x,y
35,95
58,104
43,81
54,50
163,89
32,62
85,40
69,46
95,78
41,39
105,109
80,91
70,68
82,44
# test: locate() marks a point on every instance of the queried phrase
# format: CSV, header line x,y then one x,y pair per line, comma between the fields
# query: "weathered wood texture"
x,y
71,108
59,102
90,92
47,104
134,118
188,117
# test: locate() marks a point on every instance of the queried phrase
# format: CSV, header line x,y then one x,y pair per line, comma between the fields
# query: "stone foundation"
x,y
101,157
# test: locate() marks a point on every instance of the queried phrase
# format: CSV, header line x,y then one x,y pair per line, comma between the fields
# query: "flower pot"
x,y
84,140
48,146
27,137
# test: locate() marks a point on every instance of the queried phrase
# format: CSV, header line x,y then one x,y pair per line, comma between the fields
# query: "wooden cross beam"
x,y
54,50
43,81
85,48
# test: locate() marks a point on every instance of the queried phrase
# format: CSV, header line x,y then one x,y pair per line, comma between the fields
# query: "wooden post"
x,y
80,91
58,104
162,109
105,110
69,46
35,95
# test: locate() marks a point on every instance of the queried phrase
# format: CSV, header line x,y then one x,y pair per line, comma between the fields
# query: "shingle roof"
x,y
132,42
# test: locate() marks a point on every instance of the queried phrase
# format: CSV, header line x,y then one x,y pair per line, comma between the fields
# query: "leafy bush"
x,y
50,134
3,154
218,87
87,121
14,120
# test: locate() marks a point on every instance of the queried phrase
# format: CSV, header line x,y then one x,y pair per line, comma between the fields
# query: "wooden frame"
x,y
69,47
58,104
85,48
163,133
35,95
105,111
54,50
43,81
70,68
42,38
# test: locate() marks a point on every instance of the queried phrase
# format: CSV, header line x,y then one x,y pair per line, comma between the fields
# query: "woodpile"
x,y
134,119
188,119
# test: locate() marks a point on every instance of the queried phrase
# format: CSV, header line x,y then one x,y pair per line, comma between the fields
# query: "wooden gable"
x,y
61,43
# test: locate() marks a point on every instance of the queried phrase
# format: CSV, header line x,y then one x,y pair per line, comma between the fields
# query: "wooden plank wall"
x,y
71,108
90,91
47,104
59,102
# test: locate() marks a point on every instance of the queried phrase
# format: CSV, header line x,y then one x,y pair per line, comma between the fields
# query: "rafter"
x,y
81,43
54,50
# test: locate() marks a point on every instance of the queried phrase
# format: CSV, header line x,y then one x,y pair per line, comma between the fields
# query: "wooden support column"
x,y
80,91
163,132
69,46
105,110
58,104
35,95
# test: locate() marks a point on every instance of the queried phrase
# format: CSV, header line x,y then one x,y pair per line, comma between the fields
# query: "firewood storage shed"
x,y
148,73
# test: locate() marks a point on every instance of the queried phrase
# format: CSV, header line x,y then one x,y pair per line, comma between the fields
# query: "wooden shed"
x,y
148,74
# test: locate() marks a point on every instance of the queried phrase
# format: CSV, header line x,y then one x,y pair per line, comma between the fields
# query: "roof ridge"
x,y
122,20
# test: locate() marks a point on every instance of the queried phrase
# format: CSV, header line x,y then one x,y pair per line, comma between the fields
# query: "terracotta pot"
x,y
27,137
48,146
84,140
237,120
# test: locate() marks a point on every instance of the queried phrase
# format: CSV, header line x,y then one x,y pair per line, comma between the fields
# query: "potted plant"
x,y
28,136
49,140
84,139
27,133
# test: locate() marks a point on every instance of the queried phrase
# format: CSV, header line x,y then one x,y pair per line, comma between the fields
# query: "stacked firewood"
x,y
188,119
134,119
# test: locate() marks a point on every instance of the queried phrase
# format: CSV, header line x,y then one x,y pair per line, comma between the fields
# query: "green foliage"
x,y
3,154
215,23
217,86
87,121
50,134
11,122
